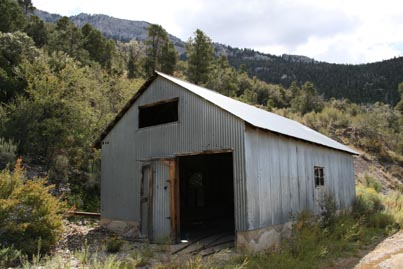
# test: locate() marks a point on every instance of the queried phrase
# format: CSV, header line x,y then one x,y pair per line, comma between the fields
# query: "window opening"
x,y
319,176
160,113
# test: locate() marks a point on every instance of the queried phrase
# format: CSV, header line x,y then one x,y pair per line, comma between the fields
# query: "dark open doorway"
x,y
206,195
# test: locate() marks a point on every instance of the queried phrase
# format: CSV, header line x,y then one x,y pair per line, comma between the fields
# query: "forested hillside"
x,y
365,83
61,84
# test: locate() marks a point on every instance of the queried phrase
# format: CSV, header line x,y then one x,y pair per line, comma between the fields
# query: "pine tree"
x,y
169,57
132,52
160,52
307,100
27,6
399,105
100,49
36,29
12,16
200,58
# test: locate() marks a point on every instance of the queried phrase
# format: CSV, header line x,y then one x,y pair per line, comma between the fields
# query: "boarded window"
x,y
319,176
159,113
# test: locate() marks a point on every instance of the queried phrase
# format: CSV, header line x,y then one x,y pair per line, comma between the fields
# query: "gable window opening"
x,y
159,113
319,176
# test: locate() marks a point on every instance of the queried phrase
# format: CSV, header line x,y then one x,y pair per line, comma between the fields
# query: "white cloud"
x,y
343,31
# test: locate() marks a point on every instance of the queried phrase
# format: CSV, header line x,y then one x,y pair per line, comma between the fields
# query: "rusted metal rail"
x,y
86,214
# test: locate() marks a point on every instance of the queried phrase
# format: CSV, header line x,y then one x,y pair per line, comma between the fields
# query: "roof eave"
x,y
350,151
98,143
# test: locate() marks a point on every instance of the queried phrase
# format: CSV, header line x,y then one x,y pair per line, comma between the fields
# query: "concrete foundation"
x,y
263,238
126,228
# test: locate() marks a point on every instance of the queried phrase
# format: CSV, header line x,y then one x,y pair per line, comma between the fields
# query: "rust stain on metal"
x,y
174,203
205,152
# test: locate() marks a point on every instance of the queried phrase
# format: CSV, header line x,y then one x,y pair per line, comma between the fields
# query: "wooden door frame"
x,y
174,199
174,217
150,182
175,185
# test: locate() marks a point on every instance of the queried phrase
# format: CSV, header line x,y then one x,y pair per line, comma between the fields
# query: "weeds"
x,y
8,152
9,256
371,182
313,243
329,208
317,243
114,244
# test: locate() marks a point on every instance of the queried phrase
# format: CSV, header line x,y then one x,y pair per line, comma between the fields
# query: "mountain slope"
x,y
365,83
118,29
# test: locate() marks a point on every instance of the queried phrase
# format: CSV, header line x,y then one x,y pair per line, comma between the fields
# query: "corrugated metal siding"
x,y
201,126
118,173
280,179
161,201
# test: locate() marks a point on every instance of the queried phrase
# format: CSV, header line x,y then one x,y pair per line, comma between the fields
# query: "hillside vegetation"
x,y
364,83
60,85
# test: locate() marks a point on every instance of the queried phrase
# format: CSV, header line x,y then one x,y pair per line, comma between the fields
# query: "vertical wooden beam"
x,y
151,204
174,200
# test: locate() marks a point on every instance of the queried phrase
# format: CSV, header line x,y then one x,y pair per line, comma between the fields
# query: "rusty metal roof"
x,y
261,118
254,116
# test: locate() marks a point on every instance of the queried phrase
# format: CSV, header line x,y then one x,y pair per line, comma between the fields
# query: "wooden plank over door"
x,y
146,200
175,212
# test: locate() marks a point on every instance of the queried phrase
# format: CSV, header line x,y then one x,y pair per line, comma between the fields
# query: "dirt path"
x,y
387,255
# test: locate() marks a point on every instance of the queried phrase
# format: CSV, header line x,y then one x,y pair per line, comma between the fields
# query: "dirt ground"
x,y
367,165
83,233
387,255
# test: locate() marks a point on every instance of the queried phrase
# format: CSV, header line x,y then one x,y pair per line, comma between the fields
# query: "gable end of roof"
x,y
122,112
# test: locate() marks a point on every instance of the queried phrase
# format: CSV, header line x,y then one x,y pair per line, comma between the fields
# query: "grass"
x,y
313,243
114,244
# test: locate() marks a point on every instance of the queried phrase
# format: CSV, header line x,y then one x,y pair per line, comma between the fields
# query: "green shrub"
x,y
394,205
114,244
7,152
29,214
329,208
367,202
372,182
380,220
9,256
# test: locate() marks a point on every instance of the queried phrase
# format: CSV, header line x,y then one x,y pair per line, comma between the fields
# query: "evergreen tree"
x,y
307,100
27,6
12,16
99,48
67,37
200,58
14,49
169,58
160,52
223,78
37,31
132,55
399,105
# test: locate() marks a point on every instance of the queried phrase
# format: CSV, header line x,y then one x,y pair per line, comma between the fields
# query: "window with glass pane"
x,y
319,176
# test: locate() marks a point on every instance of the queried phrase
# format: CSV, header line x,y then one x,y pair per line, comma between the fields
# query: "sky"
x,y
336,31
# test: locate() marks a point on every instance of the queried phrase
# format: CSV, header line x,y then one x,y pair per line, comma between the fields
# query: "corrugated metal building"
x,y
179,158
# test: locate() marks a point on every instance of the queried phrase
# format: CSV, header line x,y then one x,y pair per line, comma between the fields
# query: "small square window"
x,y
319,176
